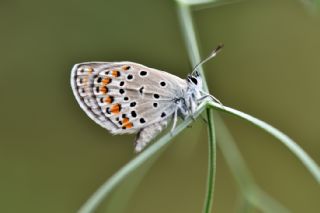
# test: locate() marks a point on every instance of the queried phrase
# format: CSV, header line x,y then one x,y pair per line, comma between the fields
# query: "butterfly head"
x,y
193,92
194,81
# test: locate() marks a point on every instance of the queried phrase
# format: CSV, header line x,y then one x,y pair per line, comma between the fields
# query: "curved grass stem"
x,y
190,37
306,160
211,163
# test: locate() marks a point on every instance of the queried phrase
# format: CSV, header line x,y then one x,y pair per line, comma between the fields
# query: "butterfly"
x,y
127,97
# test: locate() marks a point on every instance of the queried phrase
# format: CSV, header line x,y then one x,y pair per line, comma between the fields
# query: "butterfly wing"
x,y
81,84
125,97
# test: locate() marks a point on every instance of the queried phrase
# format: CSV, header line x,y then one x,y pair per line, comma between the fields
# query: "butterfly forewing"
x,y
124,97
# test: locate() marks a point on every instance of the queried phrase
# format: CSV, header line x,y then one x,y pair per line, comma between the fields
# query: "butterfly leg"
x,y
148,133
175,119
206,95
191,109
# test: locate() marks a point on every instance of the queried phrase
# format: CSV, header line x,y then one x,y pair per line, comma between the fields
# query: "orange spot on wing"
x,y
104,90
125,120
116,108
127,125
106,81
115,73
126,67
109,99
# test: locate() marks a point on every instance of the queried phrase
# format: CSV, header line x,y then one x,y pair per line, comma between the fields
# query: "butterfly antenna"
x,y
212,55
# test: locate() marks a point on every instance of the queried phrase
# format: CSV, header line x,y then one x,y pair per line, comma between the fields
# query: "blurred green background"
x,y
53,157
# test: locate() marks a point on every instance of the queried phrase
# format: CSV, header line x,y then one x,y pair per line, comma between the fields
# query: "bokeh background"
x,y
53,157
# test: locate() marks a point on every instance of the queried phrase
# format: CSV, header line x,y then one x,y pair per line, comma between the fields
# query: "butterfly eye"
x,y
193,80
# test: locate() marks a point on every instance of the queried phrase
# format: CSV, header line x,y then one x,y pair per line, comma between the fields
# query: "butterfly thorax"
x,y
188,103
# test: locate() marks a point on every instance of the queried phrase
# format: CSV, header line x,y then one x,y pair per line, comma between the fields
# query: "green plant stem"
x,y
306,160
190,37
242,204
211,163
205,4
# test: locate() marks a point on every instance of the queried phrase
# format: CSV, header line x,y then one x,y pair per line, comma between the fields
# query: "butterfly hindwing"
x,y
82,77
